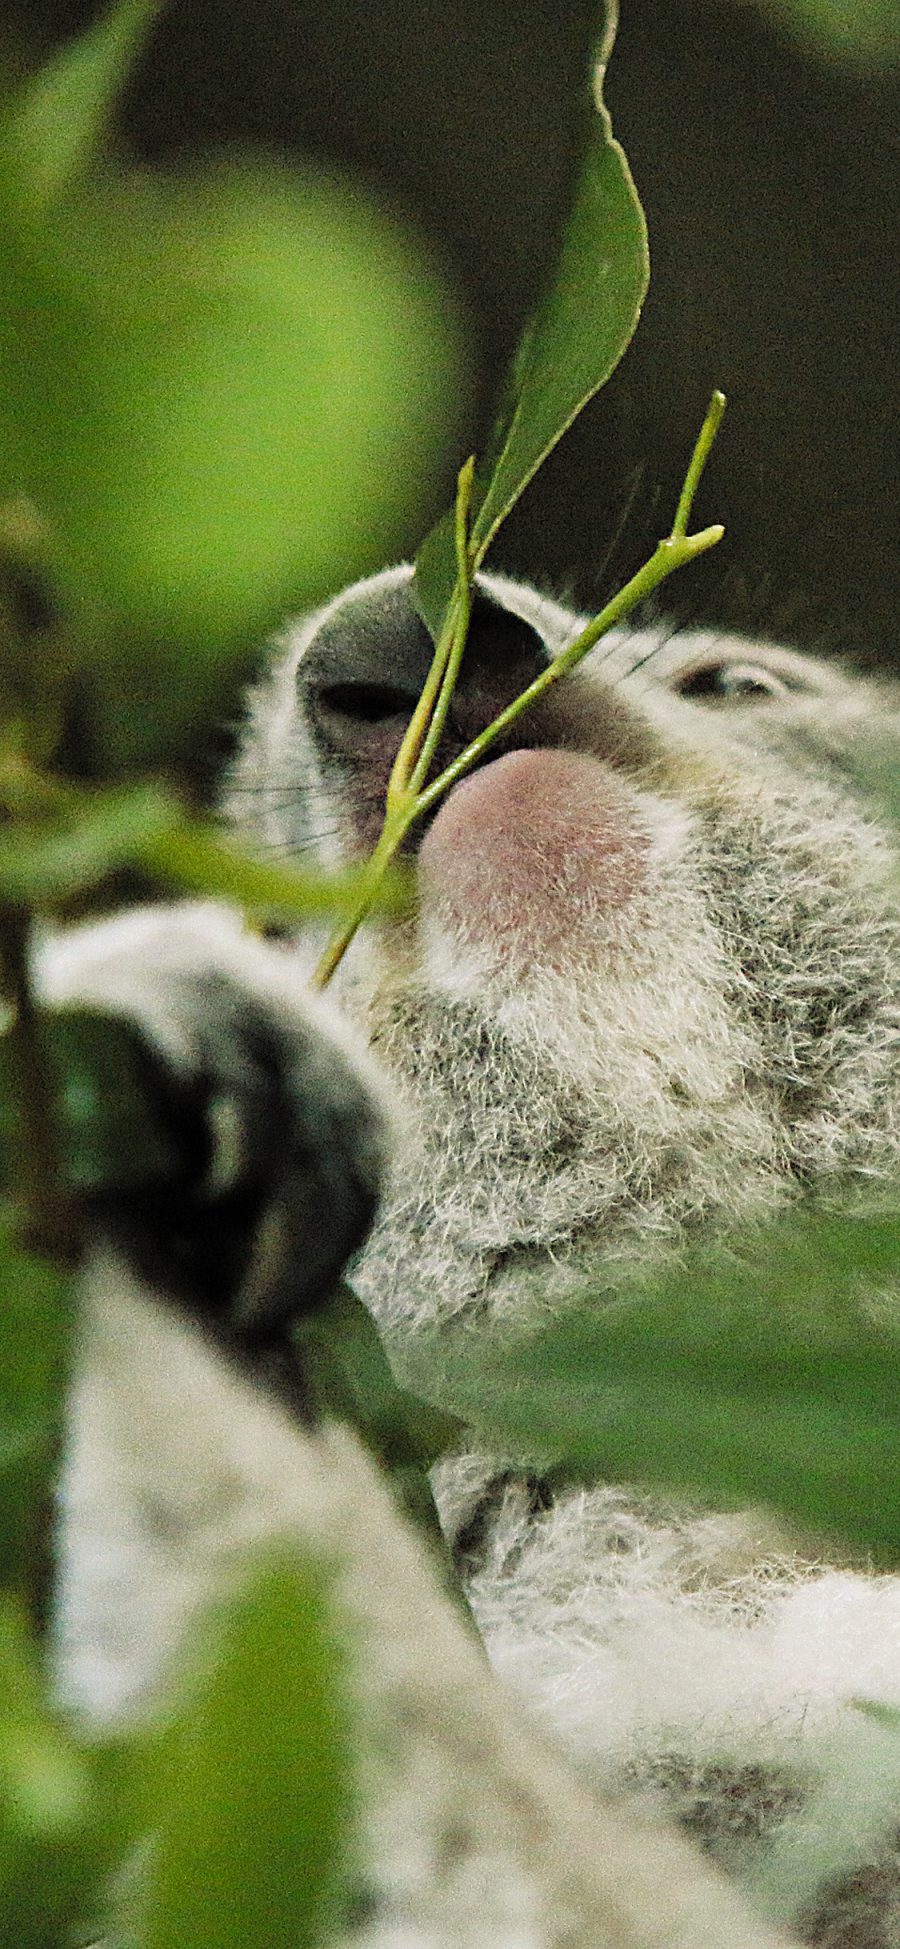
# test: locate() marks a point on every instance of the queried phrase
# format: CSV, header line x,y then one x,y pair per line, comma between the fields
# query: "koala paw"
x,y
252,1151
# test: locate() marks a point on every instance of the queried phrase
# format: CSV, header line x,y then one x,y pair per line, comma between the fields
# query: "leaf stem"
x,y
408,794
698,461
396,824
462,609
668,556
419,741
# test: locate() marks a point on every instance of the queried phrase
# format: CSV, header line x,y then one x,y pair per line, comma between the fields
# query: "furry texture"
x,y
470,1832
178,1470
652,986
591,1078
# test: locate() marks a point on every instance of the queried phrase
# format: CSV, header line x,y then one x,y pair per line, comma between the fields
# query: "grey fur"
x,y
690,1018
710,1052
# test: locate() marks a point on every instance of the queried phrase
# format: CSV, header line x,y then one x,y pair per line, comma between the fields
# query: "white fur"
x,y
726,1041
734,1037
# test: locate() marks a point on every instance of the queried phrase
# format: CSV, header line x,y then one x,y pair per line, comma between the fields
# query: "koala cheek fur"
x,y
652,987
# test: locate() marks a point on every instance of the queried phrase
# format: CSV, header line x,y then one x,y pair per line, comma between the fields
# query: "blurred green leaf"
x,y
54,126
251,1794
847,1821
35,1322
48,1862
39,868
199,859
885,1716
225,394
572,345
35,651
347,1376
860,33
61,841
350,1377
764,1373
873,759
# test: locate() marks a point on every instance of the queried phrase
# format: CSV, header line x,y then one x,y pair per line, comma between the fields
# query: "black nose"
x,y
503,656
362,674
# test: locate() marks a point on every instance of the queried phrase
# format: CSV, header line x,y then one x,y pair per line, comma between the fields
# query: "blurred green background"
x,y
766,155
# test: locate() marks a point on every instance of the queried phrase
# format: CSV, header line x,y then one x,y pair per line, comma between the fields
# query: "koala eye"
x,y
365,703
731,683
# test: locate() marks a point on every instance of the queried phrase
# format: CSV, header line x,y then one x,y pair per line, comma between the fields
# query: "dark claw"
x,y
262,1166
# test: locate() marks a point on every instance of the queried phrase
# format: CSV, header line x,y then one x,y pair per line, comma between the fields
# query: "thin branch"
x,y
408,794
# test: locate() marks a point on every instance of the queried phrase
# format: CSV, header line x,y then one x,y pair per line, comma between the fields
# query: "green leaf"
x,y
347,1376
40,867
873,759
760,1373
436,573
55,125
581,330
47,1860
70,840
199,859
35,655
864,35
885,1716
351,1378
225,394
35,1325
572,345
252,1793
844,1824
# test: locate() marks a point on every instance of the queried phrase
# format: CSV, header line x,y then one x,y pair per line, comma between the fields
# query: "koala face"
x,y
652,979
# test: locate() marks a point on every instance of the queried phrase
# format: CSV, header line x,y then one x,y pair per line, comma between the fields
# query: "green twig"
x,y
462,609
408,794
698,461
419,739
392,835
669,555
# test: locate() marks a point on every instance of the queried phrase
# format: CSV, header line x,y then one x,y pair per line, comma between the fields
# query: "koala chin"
x,y
650,988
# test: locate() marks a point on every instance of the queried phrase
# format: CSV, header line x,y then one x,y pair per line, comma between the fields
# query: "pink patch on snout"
x,y
531,852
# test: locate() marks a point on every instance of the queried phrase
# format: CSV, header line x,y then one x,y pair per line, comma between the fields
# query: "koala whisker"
x,y
298,845
295,783
632,491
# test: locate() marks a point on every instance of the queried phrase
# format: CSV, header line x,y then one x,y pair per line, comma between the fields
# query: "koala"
x,y
649,988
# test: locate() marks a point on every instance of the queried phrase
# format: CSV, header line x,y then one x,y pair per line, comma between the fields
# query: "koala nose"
x,y
503,655
362,675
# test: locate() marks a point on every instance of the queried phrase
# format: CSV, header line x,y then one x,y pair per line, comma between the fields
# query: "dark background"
x,y
771,184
